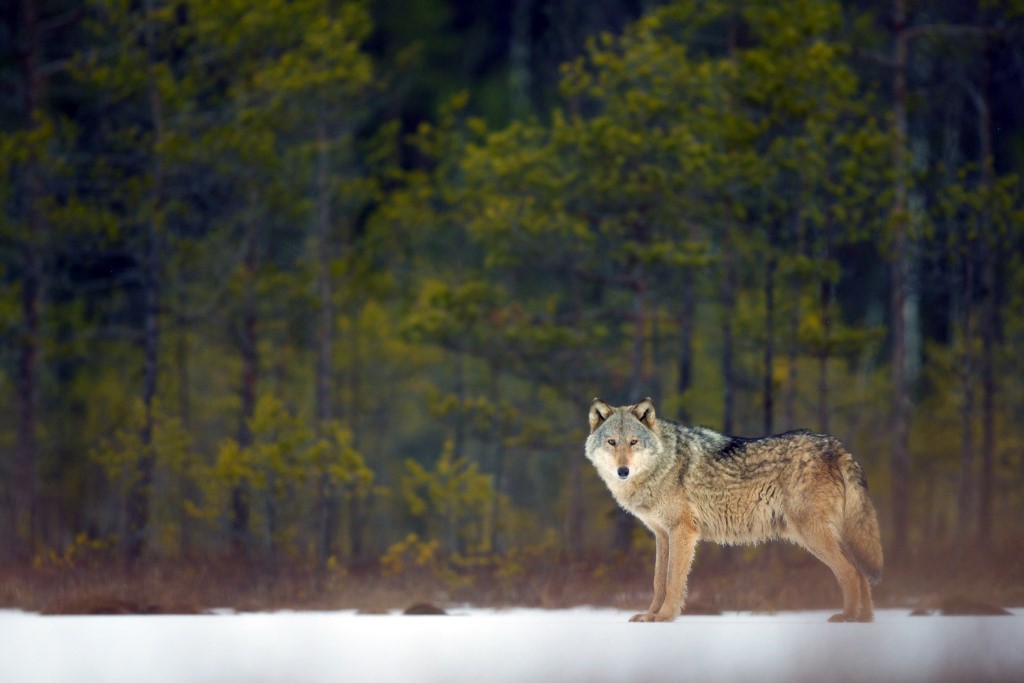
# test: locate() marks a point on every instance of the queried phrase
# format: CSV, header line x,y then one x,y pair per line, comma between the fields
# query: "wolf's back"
x,y
860,536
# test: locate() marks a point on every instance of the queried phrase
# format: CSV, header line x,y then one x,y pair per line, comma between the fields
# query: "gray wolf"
x,y
692,483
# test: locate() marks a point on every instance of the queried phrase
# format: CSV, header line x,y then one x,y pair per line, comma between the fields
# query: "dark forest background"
x,y
329,285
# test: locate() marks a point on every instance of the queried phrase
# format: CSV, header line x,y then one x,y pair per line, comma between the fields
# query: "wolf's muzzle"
x,y
623,472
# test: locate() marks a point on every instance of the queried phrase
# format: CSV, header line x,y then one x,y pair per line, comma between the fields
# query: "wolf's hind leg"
x,y
823,545
866,611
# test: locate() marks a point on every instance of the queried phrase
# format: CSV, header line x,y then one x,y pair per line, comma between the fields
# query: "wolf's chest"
x,y
637,498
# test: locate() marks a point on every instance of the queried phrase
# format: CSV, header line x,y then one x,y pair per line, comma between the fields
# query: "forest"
x,y
324,288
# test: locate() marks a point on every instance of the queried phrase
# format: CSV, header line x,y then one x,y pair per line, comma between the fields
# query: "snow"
x,y
508,645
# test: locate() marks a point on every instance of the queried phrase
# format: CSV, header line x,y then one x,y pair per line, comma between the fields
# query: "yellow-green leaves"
x,y
281,468
455,499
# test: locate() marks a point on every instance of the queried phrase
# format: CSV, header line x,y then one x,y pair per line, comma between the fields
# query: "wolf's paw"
x,y
843,617
648,617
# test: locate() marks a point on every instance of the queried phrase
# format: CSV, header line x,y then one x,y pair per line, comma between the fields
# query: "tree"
x,y
227,269
33,160
455,498
982,210
285,459
906,32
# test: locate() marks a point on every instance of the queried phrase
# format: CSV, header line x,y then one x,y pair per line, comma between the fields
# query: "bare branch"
x,y
948,30
55,67
61,20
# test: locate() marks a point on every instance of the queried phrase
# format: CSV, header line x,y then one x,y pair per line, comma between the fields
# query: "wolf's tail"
x,y
860,538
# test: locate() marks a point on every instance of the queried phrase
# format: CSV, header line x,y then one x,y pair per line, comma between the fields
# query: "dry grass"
x,y
721,580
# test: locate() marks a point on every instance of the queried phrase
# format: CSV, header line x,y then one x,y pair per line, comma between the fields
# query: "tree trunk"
x,y
639,385
768,398
327,494
793,358
575,509
519,74
188,488
138,503
497,438
325,331
989,256
728,291
26,467
967,408
988,396
639,388
728,295
792,388
825,292
357,507
900,458
357,519
687,323
139,497
241,495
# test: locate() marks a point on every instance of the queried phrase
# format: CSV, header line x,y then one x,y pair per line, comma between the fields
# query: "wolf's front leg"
x,y
682,541
660,574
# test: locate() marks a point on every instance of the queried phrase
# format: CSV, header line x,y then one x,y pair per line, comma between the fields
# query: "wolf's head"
x,y
623,441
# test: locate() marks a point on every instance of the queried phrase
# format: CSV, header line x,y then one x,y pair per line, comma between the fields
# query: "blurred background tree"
x,y
287,282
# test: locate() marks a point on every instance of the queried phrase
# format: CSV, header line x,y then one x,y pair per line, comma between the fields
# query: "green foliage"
x,y
285,461
177,466
982,211
713,165
454,498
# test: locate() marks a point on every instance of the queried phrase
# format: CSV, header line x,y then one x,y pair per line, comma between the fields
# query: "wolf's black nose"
x,y
623,472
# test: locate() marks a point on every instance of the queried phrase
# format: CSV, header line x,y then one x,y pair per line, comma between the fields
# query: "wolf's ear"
x,y
644,411
599,412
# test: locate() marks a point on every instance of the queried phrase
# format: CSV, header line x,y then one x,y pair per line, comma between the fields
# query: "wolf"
x,y
692,483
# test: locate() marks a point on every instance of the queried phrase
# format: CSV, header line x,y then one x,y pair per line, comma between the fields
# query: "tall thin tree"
x,y
900,457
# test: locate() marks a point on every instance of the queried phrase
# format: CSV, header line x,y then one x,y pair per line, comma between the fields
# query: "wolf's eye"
x,y
611,442
632,442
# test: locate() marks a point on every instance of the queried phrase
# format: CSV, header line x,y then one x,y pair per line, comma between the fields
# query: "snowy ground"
x,y
531,646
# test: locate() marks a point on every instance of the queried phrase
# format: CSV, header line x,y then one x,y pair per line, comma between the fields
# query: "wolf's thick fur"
x,y
692,483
